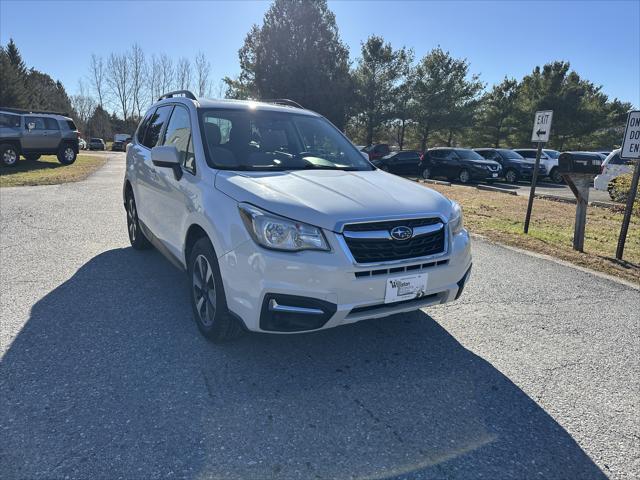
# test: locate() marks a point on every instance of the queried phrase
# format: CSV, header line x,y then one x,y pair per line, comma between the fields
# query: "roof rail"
x,y
176,93
28,111
283,101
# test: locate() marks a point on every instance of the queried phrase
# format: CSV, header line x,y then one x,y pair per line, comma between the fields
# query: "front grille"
x,y
389,224
383,250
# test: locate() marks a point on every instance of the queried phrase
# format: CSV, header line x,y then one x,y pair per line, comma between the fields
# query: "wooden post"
x,y
579,185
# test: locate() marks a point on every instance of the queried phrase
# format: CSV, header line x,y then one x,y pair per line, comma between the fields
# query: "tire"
x,y
9,155
555,176
207,295
511,176
66,154
32,157
426,173
384,168
136,235
464,176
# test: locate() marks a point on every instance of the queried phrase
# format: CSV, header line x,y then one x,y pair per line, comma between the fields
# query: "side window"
x,y
178,133
70,125
8,120
616,160
142,128
38,121
51,123
156,122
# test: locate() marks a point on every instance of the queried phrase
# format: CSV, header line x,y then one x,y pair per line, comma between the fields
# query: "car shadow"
x,y
110,378
30,165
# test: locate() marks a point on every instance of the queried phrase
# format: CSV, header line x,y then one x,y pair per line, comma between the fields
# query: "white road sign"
x,y
542,126
631,141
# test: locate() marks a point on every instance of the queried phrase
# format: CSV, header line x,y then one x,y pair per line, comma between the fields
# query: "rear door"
x,y
52,135
148,180
408,163
617,166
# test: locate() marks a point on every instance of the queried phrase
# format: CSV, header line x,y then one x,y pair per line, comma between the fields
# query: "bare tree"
x,y
203,68
153,78
97,78
83,104
138,70
119,81
183,74
166,73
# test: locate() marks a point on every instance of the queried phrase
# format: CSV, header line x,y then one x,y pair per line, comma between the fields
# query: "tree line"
x,y
386,95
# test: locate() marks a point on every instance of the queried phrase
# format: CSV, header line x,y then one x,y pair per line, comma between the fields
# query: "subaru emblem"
x,y
401,233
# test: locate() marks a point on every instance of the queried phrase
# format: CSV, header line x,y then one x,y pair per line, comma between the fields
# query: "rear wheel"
x,y
8,154
136,236
32,157
511,176
556,176
66,154
207,295
464,176
426,173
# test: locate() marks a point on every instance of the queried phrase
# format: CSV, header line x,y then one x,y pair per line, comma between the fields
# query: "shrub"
x,y
619,191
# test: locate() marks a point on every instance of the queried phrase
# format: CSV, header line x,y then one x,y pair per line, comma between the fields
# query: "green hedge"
x,y
619,191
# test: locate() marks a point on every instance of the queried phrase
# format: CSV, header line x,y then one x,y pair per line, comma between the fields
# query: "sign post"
x,y
630,151
540,134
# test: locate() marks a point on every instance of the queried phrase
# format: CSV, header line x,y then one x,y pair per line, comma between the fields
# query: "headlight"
x,y
455,219
280,233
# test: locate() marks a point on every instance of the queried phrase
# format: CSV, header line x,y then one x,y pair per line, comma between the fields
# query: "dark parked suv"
x,y
514,166
96,144
34,133
459,164
403,162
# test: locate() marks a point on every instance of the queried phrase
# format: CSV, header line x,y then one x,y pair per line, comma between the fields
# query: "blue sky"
x,y
601,39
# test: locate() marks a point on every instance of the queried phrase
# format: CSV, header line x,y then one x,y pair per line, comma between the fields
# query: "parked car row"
x,y
465,165
613,166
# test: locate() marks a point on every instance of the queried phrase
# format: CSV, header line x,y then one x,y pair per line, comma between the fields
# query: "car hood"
x,y
330,198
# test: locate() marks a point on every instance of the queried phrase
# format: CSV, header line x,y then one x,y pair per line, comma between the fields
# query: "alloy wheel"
x,y
69,154
426,173
511,176
464,176
132,219
204,290
9,157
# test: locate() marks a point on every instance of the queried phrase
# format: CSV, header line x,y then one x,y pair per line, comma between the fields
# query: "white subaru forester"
x,y
281,223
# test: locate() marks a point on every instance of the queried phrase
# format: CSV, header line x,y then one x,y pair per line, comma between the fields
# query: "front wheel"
x,y
207,295
464,176
8,154
556,176
66,155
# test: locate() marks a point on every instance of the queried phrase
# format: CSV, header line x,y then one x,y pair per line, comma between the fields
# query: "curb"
x,y
496,189
594,203
435,182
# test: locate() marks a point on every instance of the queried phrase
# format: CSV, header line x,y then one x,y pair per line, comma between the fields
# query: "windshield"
x,y
264,140
552,153
468,154
510,154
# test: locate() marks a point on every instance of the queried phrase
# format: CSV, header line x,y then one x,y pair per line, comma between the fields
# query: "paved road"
x,y
533,374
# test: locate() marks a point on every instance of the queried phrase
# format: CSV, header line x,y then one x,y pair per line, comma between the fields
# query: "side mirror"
x,y
31,125
167,156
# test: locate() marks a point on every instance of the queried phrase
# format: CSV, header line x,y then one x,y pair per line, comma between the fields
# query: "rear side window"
x,y
156,122
178,133
616,160
70,125
143,127
51,123
8,120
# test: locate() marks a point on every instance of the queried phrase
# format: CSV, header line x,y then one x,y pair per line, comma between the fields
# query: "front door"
x,y
35,138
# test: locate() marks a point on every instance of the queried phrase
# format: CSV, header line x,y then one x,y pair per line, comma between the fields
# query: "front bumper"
x,y
258,281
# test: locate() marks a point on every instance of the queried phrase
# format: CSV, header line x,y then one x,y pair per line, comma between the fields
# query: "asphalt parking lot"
x,y
532,374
